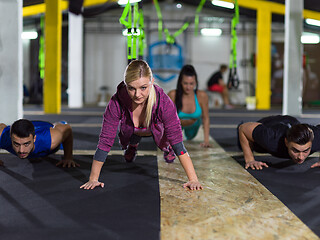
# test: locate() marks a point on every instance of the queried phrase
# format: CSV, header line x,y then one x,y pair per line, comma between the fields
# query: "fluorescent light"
x,y
125,32
29,35
223,4
212,32
310,38
124,2
313,22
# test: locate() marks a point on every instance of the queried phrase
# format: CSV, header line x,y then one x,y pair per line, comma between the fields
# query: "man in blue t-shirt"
x,y
32,139
281,136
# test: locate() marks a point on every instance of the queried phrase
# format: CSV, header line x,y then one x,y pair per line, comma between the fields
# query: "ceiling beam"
x,y
41,8
311,14
277,8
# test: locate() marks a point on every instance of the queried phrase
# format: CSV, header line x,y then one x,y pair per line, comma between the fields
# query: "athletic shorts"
x,y
216,88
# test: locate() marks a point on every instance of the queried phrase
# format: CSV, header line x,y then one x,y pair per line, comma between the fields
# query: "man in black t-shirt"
x,y
281,136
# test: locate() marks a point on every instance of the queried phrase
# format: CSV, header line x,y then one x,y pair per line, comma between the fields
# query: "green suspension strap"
x,y
135,31
41,48
196,19
170,39
160,25
141,37
233,81
128,24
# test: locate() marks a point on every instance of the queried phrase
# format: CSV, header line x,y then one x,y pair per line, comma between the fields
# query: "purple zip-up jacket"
x,y
164,125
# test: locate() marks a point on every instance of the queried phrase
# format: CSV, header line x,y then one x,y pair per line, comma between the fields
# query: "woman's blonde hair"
x,y
138,69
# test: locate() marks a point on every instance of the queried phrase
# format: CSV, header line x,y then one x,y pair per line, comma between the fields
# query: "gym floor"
x,y
146,200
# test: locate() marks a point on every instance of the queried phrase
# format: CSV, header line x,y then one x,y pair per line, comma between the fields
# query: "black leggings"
x,y
135,139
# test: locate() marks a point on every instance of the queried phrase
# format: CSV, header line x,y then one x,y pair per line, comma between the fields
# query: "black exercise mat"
x,y
41,201
297,186
87,139
226,137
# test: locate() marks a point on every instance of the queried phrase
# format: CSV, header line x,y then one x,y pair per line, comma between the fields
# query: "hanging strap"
x,y
135,30
160,25
196,19
171,39
124,15
142,42
233,80
41,48
128,24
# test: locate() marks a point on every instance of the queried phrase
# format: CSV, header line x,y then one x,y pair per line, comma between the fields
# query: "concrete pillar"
x,y
75,59
292,85
11,85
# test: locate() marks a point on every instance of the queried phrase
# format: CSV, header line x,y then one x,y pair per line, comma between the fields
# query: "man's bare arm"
x,y
62,133
2,126
246,140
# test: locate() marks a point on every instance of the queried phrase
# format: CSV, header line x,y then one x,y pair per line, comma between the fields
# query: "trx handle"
x,y
233,80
